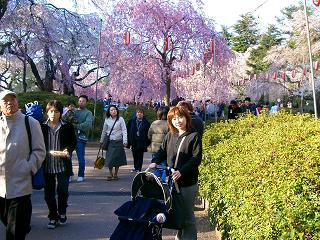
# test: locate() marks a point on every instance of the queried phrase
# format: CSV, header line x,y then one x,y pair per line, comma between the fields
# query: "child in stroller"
x,y
142,217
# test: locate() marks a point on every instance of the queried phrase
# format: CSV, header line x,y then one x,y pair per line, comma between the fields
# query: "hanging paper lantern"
x,y
198,66
193,71
212,45
126,38
305,71
207,56
284,76
316,64
255,76
167,44
316,2
275,75
293,73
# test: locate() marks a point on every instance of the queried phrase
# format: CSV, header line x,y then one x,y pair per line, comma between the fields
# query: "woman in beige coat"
x,y
158,129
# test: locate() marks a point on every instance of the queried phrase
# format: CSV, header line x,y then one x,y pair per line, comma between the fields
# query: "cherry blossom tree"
x,y
57,44
165,37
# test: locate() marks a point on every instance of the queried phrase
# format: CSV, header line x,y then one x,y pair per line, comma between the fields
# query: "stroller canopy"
x,y
149,185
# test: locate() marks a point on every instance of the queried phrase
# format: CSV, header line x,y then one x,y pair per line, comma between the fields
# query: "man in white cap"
x,y
17,164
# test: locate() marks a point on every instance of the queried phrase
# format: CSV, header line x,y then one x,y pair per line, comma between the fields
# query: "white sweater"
x,y
119,130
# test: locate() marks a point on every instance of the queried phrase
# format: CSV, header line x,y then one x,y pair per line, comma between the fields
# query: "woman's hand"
x,y
176,175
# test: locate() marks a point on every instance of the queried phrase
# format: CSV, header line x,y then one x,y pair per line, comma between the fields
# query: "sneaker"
x,y
63,220
52,224
80,179
133,170
70,179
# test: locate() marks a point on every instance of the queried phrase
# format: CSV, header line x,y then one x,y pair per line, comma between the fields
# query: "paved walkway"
x,y
91,204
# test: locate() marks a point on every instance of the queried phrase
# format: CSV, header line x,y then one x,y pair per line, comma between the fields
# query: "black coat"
x,y
68,141
142,141
197,123
189,157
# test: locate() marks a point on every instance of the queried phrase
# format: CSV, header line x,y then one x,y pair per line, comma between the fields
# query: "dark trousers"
x,y
16,216
50,194
137,158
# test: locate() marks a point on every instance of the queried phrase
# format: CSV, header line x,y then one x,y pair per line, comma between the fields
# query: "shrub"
x,y
261,177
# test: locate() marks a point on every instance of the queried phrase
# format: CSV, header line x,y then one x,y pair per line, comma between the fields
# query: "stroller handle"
x,y
170,170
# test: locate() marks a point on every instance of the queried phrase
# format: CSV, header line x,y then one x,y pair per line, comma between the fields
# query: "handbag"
x,y
176,215
100,160
38,180
106,140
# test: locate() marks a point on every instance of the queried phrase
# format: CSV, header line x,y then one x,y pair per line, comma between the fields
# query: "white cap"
x,y
4,93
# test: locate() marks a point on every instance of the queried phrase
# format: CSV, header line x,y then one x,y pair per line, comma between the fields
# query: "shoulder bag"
x,y
176,216
106,140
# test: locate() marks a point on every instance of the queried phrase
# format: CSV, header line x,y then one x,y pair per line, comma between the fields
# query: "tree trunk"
x,y
68,89
3,7
168,90
50,70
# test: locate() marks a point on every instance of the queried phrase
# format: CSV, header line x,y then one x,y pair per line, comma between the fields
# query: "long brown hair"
x,y
181,112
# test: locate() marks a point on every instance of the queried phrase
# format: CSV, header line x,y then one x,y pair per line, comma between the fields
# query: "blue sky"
x,y
227,12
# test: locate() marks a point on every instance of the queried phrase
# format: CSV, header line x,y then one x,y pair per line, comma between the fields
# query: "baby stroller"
x,y
142,217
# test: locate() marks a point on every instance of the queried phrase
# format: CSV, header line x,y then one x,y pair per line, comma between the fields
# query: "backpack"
x,y
38,180
34,109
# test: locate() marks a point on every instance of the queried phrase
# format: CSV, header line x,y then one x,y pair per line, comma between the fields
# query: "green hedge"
x,y
261,177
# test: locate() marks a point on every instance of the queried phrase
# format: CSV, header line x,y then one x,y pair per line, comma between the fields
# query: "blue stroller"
x,y
142,218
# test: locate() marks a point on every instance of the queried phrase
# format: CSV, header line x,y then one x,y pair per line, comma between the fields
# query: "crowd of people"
x,y
66,129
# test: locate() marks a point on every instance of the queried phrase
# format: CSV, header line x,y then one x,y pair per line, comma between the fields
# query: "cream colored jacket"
x,y
16,162
156,133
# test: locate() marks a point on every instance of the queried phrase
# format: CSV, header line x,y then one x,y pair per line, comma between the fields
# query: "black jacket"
x,y
189,157
68,141
197,123
142,141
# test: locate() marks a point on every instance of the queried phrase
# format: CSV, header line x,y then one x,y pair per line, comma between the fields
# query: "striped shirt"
x,y
54,164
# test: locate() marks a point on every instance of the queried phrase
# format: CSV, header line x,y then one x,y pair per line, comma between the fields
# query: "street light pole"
x,y
311,62
97,75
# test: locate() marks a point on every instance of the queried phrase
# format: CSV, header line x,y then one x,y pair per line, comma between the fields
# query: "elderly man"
x,y
17,164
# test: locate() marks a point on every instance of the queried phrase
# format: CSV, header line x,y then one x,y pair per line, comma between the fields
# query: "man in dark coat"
x,y
138,141
233,110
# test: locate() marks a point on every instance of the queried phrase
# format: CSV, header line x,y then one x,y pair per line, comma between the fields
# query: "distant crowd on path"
x,y
66,129
242,107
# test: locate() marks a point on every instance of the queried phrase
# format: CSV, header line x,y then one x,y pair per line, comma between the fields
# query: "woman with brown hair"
x,y
186,172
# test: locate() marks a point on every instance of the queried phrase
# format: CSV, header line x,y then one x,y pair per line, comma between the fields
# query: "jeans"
x,y
16,216
80,149
50,194
189,232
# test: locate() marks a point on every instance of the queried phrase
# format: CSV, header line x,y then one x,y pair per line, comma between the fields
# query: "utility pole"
x,y
311,62
97,75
